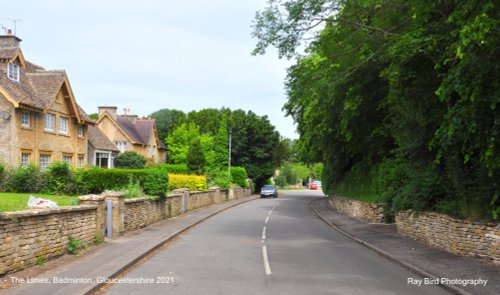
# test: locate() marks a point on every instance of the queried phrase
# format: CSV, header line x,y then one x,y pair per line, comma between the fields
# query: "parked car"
x,y
317,183
268,191
313,186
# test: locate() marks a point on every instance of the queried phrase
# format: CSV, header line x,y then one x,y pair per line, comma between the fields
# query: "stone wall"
x,y
373,213
458,236
27,236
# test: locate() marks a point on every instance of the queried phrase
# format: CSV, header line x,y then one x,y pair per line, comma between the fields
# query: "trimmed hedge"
x,y
239,176
173,168
96,180
192,182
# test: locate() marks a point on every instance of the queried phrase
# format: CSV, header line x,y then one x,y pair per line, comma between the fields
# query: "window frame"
x,y
26,115
40,164
23,164
46,121
13,71
66,125
80,131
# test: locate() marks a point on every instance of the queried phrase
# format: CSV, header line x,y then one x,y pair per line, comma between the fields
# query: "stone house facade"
x,y
40,121
130,133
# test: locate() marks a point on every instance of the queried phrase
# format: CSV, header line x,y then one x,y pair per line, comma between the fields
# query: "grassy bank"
x,y
17,201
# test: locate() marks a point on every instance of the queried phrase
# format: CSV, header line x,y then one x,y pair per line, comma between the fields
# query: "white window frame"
x,y
80,161
13,71
44,161
25,119
25,159
80,131
63,125
68,159
121,145
49,124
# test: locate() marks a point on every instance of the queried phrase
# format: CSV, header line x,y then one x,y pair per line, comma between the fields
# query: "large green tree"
x,y
403,93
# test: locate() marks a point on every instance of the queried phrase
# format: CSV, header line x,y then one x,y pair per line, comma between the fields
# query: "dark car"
x,y
268,191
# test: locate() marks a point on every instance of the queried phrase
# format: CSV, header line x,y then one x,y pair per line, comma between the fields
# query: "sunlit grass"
x,y
17,202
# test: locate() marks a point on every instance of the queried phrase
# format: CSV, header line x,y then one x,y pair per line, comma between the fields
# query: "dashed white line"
x,y
270,212
266,261
267,220
264,233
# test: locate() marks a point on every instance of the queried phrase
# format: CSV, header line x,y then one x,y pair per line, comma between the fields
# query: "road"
x,y
268,246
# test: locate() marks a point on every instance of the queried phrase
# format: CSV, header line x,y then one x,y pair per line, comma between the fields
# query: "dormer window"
x,y
13,72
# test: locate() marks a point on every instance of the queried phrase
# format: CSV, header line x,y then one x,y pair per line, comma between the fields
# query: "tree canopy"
x,y
398,97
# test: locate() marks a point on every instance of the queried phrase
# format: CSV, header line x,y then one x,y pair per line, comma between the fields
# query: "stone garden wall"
x,y
37,235
373,213
458,236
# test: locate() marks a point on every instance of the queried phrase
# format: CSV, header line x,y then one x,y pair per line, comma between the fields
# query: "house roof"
x,y
37,87
99,141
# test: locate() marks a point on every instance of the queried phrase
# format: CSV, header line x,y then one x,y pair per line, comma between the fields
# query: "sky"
x,y
149,55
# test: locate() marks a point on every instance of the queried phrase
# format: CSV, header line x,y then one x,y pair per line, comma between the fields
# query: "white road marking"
x,y
266,260
264,233
267,220
270,212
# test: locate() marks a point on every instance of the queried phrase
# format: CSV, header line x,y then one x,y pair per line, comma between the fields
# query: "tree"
x,y
221,146
178,143
130,160
167,121
195,159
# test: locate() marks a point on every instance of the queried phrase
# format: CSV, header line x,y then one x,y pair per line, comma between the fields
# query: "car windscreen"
x,y
268,187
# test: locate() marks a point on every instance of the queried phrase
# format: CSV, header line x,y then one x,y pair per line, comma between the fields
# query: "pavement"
x,y
88,273
426,261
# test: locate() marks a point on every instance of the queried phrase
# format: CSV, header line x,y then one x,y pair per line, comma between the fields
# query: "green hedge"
x,y
239,176
173,168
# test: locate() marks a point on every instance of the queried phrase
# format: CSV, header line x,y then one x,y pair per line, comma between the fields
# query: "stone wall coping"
x,y
92,198
48,211
137,200
175,195
355,200
180,190
114,194
197,192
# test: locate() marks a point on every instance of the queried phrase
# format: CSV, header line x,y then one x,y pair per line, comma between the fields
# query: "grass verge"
x,y
17,202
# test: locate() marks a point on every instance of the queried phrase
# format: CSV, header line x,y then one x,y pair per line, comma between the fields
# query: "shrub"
x,y
133,189
2,176
239,176
220,178
25,180
95,180
59,178
131,160
173,168
192,182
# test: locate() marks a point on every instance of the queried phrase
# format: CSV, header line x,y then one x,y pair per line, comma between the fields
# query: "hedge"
x,y
239,176
192,182
173,168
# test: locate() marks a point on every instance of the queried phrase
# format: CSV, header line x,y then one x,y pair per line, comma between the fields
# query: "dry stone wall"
x,y
458,236
27,236
373,213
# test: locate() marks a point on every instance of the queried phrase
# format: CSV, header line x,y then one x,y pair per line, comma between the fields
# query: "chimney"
x,y
110,110
127,115
9,41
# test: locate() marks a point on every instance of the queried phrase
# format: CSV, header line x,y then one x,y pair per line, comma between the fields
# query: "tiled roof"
x,y
99,141
37,87
129,128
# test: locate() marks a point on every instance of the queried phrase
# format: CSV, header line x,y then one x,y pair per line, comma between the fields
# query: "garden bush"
x,y
220,178
173,168
25,180
239,176
131,160
192,182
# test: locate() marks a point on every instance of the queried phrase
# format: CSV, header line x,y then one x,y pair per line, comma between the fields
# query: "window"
x,y
49,122
79,164
44,162
63,125
25,119
80,131
25,159
121,145
13,72
68,159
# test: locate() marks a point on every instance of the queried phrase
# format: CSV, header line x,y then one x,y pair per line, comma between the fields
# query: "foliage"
x,y
155,183
59,178
24,180
73,246
167,121
133,189
195,159
220,178
396,98
173,168
221,146
191,182
131,160
239,176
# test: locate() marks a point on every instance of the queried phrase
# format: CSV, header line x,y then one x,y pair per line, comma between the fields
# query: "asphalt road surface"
x,y
268,246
